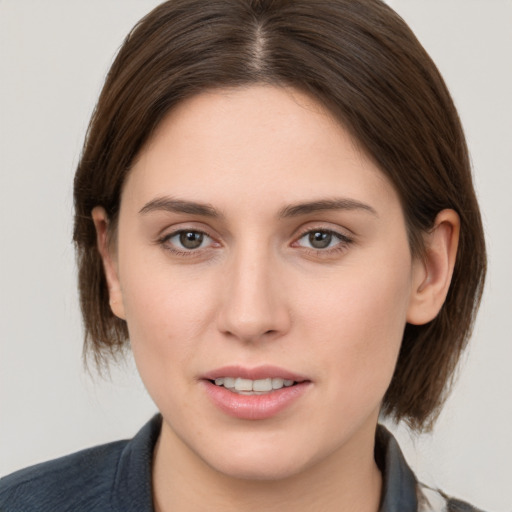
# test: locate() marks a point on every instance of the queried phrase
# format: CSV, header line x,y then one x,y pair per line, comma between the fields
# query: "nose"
x,y
254,305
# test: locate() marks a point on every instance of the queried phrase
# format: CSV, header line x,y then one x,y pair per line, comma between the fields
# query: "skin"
x,y
257,292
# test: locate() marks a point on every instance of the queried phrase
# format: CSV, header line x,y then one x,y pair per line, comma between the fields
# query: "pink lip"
x,y
254,407
259,372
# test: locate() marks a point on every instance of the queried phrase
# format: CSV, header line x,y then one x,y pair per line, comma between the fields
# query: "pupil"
x,y
320,240
191,239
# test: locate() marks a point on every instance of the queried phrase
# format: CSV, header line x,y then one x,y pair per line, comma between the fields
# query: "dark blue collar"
x,y
399,483
131,490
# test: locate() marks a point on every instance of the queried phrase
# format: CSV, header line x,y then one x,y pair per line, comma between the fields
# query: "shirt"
x,y
116,477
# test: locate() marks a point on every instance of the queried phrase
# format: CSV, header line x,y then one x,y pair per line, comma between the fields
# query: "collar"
x,y
399,483
131,490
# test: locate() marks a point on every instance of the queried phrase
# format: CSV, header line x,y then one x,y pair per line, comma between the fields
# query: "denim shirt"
x,y
116,477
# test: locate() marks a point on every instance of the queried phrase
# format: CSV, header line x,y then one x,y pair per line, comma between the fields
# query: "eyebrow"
x,y
298,209
171,205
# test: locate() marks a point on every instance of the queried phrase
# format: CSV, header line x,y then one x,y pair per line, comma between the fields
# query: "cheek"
x,y
166,310
167,317
358,322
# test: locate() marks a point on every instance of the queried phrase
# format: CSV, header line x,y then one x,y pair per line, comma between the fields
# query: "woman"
x,y
274,205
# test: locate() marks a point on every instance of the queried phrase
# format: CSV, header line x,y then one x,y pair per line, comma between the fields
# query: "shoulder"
x,y
114,477
79,481
402,492
432,500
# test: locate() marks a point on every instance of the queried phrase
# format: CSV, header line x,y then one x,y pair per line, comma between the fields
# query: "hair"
x,y
361,61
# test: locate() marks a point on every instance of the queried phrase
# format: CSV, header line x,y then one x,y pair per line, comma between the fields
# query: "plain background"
x,y
53,59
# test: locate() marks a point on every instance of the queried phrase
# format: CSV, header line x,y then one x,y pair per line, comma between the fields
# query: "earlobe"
x,y
101,223
433,273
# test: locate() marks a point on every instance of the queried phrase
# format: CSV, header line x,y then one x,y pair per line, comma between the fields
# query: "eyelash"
x,y
342,245
343,242
164,241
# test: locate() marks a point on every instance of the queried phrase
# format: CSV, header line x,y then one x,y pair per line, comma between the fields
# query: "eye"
x,y
321,239
187,240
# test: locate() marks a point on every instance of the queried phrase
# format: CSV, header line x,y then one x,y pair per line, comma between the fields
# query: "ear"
x,y
101,223
432,274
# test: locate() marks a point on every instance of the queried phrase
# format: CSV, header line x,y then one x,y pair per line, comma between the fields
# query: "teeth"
x,y
229,382
262,385
243,384
277,383
248,386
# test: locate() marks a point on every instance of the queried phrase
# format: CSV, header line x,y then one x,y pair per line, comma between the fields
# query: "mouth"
x,y
255,393
244,386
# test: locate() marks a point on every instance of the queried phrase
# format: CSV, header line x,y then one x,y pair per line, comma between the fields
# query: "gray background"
x,y
53,58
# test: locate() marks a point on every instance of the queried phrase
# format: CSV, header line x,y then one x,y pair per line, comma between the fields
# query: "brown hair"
x,y
365,65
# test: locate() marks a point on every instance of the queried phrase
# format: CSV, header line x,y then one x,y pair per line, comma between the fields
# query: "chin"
x,y
260,462
257,470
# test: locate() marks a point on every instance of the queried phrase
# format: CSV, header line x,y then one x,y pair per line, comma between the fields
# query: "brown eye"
x,y
320,239
323,241
191,239
184,241
187,242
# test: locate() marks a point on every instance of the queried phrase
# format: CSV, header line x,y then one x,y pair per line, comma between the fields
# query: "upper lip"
x,y
255,373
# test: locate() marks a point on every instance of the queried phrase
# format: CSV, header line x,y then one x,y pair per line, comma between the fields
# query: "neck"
x,y
347,480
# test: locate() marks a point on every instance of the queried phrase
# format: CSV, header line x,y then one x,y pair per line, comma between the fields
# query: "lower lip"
x,y
254,407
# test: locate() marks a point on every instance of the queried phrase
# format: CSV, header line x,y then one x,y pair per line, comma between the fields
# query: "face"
x,y
263,268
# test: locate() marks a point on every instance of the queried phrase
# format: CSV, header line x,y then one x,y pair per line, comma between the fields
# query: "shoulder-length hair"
x,y
360,60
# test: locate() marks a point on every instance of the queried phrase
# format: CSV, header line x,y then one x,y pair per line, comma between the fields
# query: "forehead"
x,y
265,142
